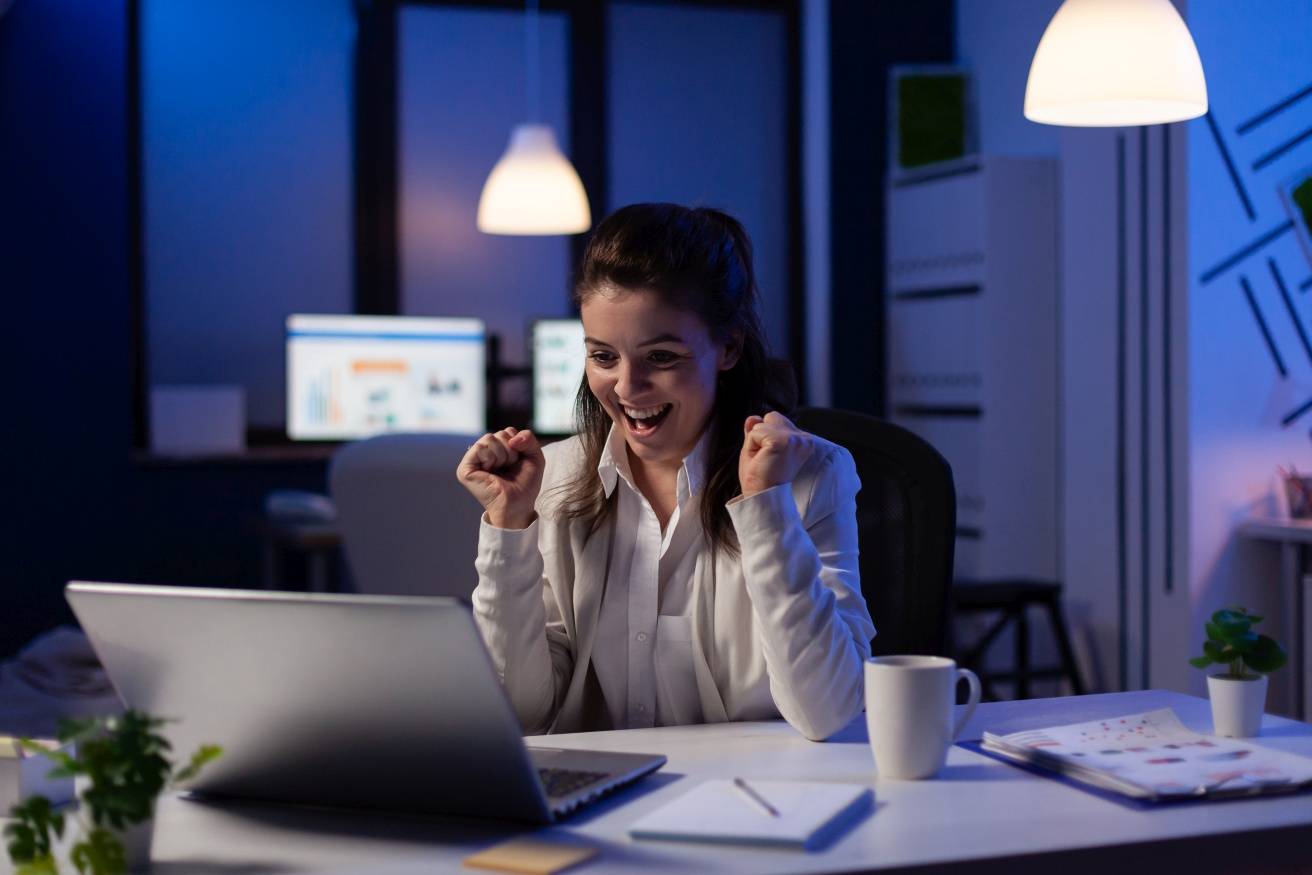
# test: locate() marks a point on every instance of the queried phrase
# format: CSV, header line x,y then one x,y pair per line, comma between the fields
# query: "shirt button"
x,y
642,636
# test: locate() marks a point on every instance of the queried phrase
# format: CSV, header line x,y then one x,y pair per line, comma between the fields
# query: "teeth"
x,y
645,412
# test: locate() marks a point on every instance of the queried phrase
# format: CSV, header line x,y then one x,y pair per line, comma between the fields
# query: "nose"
x,y
631,380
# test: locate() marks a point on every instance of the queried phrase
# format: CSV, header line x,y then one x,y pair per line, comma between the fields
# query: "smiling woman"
x,y
690,556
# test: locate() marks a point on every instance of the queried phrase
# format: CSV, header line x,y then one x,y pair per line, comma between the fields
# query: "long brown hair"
x,y
697,259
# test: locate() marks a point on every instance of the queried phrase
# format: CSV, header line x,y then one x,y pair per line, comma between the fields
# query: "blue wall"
x,y
79,506
461,75
246,144
1254,57
698,115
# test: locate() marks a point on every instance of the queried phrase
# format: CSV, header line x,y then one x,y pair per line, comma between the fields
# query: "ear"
x,y
731,350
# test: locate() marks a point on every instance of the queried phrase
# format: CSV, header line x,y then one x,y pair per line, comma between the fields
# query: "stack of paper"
x,y
1153,756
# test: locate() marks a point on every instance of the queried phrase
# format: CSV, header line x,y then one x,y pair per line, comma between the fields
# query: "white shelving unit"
x,y
972,320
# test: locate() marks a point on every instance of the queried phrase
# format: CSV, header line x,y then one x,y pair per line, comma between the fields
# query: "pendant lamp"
x,y
533,189
1111,63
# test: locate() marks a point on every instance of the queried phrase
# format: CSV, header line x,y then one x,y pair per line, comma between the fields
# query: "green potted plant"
x,y
1238,695
121,764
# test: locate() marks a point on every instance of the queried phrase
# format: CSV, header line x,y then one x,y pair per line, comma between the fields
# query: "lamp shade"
x,y
533,189
1108,63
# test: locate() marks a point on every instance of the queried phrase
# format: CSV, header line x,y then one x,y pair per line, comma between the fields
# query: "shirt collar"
x,y
614,464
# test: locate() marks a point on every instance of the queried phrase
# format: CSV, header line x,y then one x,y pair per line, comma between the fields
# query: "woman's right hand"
x,y
503,470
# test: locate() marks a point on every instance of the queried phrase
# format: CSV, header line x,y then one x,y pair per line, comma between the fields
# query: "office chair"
x,y
408,527
907,520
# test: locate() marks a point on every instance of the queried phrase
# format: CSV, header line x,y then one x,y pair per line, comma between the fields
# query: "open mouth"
x,y
645,420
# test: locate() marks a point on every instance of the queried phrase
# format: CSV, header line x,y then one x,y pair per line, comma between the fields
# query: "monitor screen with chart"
x,y
558,357
354,376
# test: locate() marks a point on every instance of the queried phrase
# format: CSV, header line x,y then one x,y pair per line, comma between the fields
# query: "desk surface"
x,y
981,814
1271,529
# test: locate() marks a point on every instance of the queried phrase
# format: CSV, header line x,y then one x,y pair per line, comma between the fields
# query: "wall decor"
x,y
933,119
1296,193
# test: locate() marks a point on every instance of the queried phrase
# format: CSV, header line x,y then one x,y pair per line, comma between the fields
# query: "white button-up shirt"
x,y
644,629
776,628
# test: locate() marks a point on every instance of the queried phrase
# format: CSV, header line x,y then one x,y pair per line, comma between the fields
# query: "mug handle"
x,y
971,703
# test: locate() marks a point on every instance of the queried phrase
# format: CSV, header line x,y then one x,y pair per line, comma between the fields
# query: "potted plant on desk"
x,y
1238,695
121,765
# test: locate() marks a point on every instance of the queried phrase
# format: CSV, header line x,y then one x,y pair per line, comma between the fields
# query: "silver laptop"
x,y
382,702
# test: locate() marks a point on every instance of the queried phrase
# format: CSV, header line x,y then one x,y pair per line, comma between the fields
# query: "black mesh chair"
x,y
907,519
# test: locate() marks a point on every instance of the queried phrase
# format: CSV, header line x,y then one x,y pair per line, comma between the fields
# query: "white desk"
x,y
981,815
1295,539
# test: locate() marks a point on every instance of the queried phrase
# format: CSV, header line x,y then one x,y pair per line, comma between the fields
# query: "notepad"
x,y
715,811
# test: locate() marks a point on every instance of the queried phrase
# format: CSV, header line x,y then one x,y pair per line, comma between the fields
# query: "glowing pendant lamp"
x,y
533,189
1110,63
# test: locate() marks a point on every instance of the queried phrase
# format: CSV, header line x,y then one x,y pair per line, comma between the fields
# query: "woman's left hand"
x,y
774,450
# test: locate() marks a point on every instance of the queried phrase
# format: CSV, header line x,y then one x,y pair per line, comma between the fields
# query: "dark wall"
x,y
866,38
76,503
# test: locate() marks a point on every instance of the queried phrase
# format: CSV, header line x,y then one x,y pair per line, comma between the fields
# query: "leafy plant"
x,y
126,763
1231,641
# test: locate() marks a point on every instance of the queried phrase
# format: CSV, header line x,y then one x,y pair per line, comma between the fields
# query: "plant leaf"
x,y
29,833
22,841
1201,661
1231,624
42,866
1266,655
1213,631
1244,643
100,853
1215,651
206,753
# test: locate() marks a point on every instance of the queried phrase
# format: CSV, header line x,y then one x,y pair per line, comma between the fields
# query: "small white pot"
x,y
137,842
1237,705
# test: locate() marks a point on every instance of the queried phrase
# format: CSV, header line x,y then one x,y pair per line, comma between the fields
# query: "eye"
x,y
602,357
662,357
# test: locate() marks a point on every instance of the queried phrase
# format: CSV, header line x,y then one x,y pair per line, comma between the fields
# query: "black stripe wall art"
x,y
1147,323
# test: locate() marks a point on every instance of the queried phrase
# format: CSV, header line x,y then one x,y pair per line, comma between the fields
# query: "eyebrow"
x,y
660,338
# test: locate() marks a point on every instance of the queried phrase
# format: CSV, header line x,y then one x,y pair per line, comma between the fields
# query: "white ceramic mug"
x,y
909,703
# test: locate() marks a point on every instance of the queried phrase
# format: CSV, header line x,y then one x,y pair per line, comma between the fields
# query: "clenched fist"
x,y
503,470
774,450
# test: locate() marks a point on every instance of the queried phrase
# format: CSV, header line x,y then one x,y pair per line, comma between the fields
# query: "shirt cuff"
x,y
765,512
506,546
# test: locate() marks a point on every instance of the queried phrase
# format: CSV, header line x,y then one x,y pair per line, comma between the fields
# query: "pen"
x,y
755,798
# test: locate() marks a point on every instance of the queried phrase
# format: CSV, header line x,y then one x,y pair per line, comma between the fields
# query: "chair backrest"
x,y
408,526
907,520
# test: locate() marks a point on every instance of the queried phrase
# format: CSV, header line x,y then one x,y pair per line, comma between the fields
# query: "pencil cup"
x,y
909,704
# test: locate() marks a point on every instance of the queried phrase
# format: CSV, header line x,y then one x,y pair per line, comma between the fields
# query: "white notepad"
x,y
716,811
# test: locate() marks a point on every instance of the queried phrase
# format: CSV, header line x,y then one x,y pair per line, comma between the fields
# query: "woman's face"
x,y
653,367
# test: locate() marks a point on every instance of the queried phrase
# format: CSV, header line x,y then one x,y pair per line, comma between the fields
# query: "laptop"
x,y
376,702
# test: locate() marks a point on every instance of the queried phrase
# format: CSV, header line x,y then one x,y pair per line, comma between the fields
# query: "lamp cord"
x,y
532,58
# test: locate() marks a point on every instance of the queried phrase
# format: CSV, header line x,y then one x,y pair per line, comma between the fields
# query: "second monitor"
x,y
558,359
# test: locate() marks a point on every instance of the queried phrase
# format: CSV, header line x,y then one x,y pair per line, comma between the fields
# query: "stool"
x,y
1011,598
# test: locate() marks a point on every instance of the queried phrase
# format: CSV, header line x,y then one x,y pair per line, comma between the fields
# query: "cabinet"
x,y
972,328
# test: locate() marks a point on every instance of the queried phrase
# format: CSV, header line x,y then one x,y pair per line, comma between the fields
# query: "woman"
x,y
684,558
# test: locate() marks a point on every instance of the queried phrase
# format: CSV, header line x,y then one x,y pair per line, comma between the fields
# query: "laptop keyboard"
x,y
563,782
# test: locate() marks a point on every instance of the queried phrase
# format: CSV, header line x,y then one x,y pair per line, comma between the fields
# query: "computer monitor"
x,y
354,376
558,358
